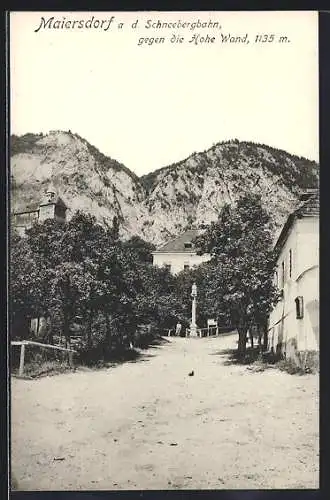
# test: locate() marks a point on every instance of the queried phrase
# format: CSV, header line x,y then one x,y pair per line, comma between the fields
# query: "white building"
x,y
294,322
180,253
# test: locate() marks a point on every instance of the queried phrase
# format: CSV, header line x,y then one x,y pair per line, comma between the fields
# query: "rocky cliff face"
x,y
83,177
163,203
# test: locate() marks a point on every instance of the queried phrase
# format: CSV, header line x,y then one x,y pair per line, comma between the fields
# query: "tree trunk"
x,y
259,338
50,327
107,341
89,329
251,338
66,328
111,333
265,342
48,332
242,333
107,328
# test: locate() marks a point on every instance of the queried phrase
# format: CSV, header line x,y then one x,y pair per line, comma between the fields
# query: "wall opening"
x,y
299,307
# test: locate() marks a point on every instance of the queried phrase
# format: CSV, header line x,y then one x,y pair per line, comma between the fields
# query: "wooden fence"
x,y
202,332
24,343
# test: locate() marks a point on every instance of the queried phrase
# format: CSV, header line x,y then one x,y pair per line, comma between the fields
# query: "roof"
x,y
178,243
57,201
28,211
308,207
311,207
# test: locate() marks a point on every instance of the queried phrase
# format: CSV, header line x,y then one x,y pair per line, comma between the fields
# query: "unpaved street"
x,y
148,425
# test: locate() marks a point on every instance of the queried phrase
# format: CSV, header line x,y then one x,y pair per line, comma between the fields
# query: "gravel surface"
x,y
149,425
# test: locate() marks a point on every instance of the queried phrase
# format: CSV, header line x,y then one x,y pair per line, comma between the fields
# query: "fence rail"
x,y
23,343
205,332
201,332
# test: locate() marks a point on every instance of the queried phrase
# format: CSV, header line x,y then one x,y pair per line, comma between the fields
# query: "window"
x,y
283,274
276,278
188,244
299,307
290,263
186,267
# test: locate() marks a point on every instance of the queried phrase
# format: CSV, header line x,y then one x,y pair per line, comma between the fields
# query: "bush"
x,y
24,144
307,362
289,366
41,369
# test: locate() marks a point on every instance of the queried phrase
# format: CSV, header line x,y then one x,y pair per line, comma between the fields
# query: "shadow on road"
x,y
141,358
251,356
139,354
148,342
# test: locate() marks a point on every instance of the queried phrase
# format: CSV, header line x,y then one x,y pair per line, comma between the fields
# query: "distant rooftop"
x,y
182,243
307,193
310,204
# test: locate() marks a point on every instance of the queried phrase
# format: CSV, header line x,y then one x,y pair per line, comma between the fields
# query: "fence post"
x,y
21,360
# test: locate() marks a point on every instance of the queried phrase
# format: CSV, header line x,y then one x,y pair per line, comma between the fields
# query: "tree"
x,y
80,273
156,300
27,286
115,228
242,264
68,287
141,248
64,254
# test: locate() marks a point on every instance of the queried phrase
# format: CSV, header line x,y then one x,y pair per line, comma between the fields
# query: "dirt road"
x,y
148,425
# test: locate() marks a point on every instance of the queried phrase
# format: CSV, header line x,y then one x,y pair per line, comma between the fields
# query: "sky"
x,y
150,105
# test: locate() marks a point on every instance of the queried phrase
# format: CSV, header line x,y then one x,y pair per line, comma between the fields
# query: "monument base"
x,y
194,331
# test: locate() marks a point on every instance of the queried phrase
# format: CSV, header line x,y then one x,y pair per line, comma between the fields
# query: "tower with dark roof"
x,y
52,206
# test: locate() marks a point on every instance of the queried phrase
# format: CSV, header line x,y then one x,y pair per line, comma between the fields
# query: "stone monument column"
x,y
193,326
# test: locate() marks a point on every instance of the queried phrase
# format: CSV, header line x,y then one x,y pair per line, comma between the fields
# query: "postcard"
x,y
164,236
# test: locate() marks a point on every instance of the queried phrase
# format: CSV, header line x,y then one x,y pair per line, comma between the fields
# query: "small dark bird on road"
x,y
191,374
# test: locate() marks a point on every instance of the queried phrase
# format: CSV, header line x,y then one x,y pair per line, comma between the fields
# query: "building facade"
x,y
294,322
180,253
51,207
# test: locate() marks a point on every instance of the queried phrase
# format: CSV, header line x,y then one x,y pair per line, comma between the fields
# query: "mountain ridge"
x,y
230,141
161,204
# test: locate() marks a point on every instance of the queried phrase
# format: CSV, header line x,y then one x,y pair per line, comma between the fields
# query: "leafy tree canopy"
x,y
240,272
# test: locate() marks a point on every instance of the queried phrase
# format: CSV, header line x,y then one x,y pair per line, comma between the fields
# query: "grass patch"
x,y
40,363
288,366
251,356
307,364
260,361
44,368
